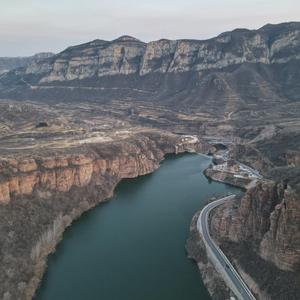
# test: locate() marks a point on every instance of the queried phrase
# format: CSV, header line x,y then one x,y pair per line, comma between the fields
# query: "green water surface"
x,y
132,248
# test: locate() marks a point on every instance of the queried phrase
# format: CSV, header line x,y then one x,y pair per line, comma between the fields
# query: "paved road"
x,y
218,258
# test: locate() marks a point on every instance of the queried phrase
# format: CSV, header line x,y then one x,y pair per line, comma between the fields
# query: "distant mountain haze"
x,y
10,63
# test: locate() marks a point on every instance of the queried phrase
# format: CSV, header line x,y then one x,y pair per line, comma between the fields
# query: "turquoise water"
x,y
132,248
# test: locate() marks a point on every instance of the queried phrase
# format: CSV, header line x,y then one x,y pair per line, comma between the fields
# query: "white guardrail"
x,y
215,261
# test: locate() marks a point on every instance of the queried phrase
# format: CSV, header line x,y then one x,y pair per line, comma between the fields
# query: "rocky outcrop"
x,y
280,244
42,195
266,217
61,173
265,221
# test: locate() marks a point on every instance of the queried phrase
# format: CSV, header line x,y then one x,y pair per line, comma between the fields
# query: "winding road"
x,y
216,255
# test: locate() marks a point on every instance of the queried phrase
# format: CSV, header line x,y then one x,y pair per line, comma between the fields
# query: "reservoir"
x,y
133,247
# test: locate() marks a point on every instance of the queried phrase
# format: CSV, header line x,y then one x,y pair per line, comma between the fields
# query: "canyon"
x,y
52,192
73,124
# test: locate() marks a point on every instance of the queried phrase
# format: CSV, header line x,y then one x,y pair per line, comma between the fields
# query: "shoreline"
x,y
195,245
45,248
232,226
41,265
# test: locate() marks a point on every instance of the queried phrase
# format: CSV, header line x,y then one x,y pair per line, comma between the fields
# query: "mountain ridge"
x,y
268,26
10,63
197,55
233,70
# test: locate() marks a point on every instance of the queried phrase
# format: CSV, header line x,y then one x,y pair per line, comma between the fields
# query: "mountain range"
x,y
74,123
235,69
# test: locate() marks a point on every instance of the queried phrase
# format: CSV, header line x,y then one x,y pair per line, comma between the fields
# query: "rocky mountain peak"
x,y
127,38
268,47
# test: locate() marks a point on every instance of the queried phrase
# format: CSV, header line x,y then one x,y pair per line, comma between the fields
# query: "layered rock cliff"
x,y
225,73
61,173
40,196
263,225
127,55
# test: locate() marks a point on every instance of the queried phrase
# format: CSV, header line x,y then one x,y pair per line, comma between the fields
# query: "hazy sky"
x,y
31,26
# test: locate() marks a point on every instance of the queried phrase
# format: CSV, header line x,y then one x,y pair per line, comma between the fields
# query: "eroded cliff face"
x,y
281,242
268,218
61,173
127,55
265,221
41,196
